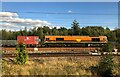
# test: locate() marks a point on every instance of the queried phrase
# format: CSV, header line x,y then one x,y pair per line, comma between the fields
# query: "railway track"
x,y
53,49
52,55
47,54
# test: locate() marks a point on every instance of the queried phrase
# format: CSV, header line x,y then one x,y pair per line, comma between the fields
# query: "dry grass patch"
x,y
51,66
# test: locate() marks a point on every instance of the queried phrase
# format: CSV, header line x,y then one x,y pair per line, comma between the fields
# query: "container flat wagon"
x,y
30,41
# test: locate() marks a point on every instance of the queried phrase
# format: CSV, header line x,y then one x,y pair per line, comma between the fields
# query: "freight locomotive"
x,y
58,41
75,41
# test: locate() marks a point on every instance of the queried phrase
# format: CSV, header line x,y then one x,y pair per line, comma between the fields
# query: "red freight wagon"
x,y
28,40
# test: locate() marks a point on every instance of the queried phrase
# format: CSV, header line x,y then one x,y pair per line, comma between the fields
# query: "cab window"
x,y
47,39
96,39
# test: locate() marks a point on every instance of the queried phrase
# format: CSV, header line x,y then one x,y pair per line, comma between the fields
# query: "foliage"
x,y
106,64
117,32
107,47
118,47
75,28
113,35
93,31
22,55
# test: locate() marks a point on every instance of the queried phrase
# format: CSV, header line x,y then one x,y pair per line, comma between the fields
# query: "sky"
x,y
17,15
60,0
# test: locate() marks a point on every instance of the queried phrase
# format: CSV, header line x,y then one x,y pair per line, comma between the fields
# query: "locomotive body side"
x,y
76,40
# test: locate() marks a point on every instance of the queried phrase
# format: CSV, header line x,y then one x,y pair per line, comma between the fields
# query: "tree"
x,y
55,31
70,32
25,33
75,27
22,55
46,30
106,31
4,35
34,31
93,30
117,32
40,32
63,31
106,64
112,36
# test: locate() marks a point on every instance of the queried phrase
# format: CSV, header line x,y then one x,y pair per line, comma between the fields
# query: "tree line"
x,y
74,30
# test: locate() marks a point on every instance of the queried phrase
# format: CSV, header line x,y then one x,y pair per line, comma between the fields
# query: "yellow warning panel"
x,y
78,40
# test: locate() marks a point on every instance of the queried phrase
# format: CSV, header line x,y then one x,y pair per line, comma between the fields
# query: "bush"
x,y
108,47
106,65
22,55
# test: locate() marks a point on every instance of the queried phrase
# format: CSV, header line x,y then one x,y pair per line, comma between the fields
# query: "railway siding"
x,y
53,49
53,55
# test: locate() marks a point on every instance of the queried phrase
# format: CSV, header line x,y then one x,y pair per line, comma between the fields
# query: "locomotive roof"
x,y
72,36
